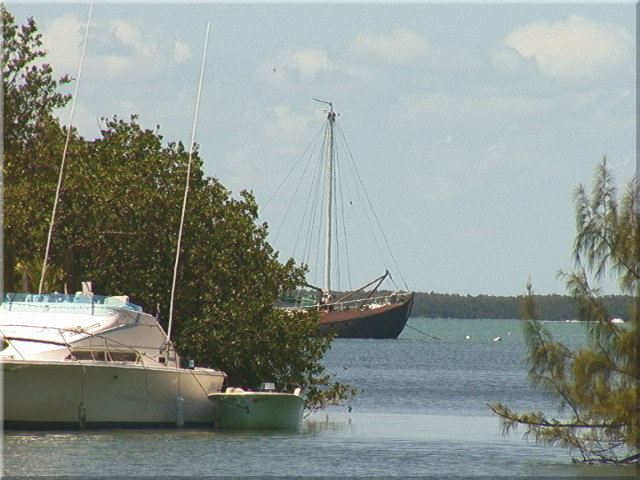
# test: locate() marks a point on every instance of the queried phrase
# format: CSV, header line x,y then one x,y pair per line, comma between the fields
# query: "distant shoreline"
x,y
551,307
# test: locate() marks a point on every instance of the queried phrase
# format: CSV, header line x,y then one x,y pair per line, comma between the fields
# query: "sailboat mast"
x,y
186,188
326,290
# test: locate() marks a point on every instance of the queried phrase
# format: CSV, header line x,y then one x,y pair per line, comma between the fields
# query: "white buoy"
x,y
467,337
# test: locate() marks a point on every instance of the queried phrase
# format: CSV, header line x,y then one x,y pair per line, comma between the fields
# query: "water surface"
x,y
422,412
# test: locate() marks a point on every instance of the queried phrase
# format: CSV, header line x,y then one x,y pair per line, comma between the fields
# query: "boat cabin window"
x,y
103,356
124,357
80,355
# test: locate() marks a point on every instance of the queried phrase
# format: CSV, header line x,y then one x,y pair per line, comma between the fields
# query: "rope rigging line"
x,y
314,199
312,146
355,217
337,250
321,199
309,207
296,163
373,211
64,153
186,189
341,251
344,225
315,220
360,191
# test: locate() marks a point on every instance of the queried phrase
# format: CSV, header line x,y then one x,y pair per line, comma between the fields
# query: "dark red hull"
x,y
382,322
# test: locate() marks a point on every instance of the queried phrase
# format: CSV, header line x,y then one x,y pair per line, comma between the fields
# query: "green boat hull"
x,y
257,410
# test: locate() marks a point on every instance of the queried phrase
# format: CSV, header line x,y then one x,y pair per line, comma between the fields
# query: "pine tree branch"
x,y
512,417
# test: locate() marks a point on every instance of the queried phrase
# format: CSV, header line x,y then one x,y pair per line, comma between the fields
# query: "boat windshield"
x,y
61,298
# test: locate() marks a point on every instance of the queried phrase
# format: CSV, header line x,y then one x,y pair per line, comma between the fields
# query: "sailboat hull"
x,y
386,321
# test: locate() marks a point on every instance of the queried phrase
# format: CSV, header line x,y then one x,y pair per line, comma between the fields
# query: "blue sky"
x,y
470,124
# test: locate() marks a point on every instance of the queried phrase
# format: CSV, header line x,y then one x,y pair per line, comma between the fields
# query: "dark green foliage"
x,y
32,138
117,226
30,94
598,385
550,307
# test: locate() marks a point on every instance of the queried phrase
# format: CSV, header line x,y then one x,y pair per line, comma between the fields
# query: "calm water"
x,y
422,412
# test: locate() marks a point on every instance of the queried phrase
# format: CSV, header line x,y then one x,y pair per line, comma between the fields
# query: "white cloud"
x,y
181,52
62,38
399,46
115,48
407,48
131,36
292,66
506,60
574,49
310,62
290,123
121,53
115,63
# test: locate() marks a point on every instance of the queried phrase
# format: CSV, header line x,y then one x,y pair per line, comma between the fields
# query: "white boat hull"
x,y
74,394
257,410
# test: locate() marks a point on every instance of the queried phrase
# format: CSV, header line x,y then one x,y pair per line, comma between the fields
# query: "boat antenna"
x,y
64,154
186,188
326,287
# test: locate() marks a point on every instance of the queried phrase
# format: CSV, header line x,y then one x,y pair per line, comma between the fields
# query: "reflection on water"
x,y
325,424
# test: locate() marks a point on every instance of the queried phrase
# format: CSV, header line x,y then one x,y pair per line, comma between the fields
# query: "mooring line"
x,y
420,331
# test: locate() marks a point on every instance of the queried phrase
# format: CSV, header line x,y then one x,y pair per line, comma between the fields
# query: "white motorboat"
x,y
264,409
87,361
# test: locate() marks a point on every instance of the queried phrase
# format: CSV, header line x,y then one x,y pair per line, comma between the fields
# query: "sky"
x,y
470,124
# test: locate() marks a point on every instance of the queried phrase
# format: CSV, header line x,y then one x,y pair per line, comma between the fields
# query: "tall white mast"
x,y
64,154
186,188
326,288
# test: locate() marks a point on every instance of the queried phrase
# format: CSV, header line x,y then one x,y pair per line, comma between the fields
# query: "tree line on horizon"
x,y
551,307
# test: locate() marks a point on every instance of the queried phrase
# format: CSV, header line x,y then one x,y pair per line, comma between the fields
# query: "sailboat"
x,y
358,313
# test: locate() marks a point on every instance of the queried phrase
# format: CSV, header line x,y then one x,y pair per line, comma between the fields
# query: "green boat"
x,y
265,409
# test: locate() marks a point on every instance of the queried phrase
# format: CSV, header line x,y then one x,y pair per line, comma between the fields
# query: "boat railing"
x,y
359,304
61,302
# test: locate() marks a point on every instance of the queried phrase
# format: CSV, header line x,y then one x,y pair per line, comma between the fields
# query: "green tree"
x,y
117,226
598,384
119,218
30,90
32,142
